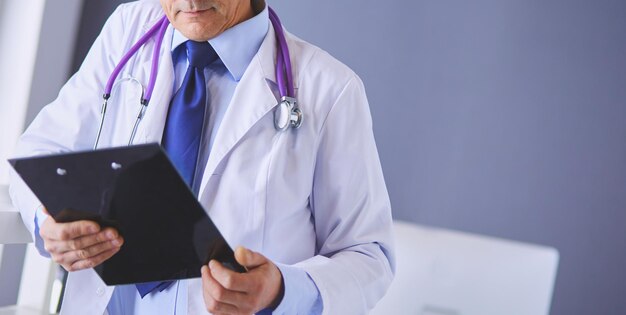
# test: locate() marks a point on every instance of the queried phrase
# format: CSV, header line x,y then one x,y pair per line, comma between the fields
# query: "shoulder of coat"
x,y
317,62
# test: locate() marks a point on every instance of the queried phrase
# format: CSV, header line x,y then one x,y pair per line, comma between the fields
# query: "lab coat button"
x,y
100,291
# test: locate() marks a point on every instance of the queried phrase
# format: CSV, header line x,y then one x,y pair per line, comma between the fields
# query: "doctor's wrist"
x,y
281,293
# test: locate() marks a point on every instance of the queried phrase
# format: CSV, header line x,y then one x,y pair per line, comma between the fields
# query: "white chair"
x,y
443,272
35,286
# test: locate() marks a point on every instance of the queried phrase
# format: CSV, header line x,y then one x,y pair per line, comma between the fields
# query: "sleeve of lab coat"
x,y
351,209
70,122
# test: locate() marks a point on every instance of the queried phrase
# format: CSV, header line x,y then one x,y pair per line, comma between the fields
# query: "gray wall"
x,y
94,14
505,118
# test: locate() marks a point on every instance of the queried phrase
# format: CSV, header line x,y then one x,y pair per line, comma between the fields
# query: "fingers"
x,y
87,257
93,261
217,299
80,244
248,258
59,247
248,292
219,292
227,278
70,257
67,231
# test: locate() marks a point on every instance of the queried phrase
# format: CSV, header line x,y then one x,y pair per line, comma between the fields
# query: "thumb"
x,y
248,258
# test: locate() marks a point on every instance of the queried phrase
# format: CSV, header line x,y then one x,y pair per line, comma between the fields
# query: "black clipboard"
x,y
136,189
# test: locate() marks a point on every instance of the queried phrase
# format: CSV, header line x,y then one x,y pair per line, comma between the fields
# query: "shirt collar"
x,y
237,45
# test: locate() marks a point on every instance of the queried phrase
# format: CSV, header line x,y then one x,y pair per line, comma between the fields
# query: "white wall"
x,y
20,23
57,44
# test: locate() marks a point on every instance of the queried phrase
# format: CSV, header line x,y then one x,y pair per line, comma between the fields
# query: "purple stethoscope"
x,y
286,115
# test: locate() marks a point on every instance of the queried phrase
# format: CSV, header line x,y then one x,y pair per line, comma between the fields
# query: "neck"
x,y
257,6
246,13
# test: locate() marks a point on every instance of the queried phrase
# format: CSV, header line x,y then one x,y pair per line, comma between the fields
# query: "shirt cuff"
x,y
301,295
40,218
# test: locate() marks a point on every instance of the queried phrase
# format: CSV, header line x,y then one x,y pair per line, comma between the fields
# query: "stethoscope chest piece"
x,y
287,114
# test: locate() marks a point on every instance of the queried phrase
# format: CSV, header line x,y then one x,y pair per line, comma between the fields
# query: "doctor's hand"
x,y
229,292
80,244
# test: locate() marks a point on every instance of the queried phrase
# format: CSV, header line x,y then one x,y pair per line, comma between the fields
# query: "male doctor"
x,y
307,209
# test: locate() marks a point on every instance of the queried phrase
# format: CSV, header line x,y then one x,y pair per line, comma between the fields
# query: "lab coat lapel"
x,y
253,99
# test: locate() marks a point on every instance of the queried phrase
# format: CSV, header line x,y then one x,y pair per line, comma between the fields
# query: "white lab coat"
x,y
313,197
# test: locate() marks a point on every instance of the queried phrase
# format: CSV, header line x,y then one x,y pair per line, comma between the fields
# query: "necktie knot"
x,y
200,54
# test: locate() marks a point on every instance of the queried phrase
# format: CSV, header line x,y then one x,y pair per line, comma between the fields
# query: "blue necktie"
x,y
183,129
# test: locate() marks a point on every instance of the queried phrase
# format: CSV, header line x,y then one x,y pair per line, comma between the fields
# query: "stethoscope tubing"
x,y
284,75
161,27
155,60
282,58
